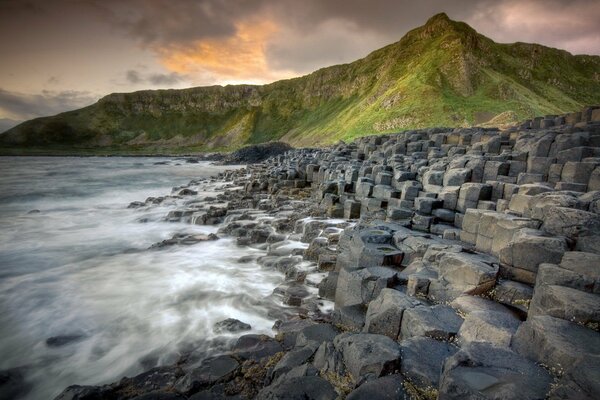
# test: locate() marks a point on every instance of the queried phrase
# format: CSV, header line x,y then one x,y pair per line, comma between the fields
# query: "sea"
x,y
83,298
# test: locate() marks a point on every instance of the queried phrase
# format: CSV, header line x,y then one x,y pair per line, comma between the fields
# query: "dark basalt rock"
x,y
256,153
63,340
231,325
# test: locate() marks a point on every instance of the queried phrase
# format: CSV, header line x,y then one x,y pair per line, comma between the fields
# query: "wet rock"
x,y
13,384
211,371
187,192
299,388
255,347
63,340
291,360
389,387
156,379
160,396
77,392
314,335
185,239
231,325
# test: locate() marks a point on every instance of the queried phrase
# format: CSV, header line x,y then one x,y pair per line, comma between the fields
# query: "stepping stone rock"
x,y
438,322
492,327
566,303
422,360
368,356
484,371
384,315
555,342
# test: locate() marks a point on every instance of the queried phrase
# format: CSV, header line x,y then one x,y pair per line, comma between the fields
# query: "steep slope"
x,y
443,73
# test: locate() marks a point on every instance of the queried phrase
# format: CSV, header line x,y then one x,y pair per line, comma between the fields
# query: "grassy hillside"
x,y
441,74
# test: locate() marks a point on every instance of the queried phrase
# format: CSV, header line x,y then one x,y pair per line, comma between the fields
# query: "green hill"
x,y
441,74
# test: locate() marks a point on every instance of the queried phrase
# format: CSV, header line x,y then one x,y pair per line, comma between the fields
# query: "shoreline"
x,y
446,254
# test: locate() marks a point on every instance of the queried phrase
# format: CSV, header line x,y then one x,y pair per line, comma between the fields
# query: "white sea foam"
x,y
81,266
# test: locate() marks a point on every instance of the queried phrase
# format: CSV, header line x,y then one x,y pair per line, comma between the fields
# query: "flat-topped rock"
x,y
483,371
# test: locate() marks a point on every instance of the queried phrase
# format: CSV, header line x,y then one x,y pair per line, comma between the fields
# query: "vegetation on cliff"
x,y
441,74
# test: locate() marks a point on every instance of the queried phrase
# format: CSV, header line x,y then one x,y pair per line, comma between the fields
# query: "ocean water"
x,y
75,263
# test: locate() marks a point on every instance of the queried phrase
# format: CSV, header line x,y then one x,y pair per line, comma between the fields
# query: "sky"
x,y
59,55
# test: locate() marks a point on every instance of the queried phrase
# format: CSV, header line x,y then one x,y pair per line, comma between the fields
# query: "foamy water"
x,y
81,267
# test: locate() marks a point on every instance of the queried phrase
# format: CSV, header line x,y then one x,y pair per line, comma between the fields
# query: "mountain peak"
x,y
440,17
440,24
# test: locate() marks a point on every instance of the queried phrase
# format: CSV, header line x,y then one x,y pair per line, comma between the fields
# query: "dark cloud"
x,y
133,76
316,33
165,79
136,77
27,106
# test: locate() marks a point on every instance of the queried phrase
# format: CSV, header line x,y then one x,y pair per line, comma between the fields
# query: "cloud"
x,y
261,40
200,42
165,79
21,106
133,76
239,57
158,79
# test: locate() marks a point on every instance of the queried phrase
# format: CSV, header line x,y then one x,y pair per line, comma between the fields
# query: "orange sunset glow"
x,y
245,51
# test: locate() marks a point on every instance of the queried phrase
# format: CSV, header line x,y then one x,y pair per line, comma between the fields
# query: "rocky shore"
x,y
450,264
